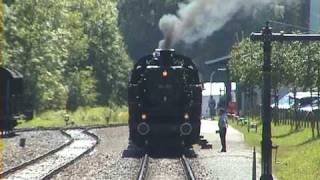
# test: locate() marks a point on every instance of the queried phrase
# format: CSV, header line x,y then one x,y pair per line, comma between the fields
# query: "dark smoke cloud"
x,y
198,19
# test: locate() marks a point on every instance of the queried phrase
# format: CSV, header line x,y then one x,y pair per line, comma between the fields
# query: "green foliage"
x,y
82,116
70,52
294,64
245,64
82,89
1,31
106,50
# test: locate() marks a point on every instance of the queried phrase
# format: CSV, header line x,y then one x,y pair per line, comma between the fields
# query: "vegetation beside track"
x,y
298,153
82,116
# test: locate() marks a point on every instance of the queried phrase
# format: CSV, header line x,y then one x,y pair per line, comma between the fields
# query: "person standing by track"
x,y
223,125
212,107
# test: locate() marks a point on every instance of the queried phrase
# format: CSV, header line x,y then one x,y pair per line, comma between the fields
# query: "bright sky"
x,y
216,88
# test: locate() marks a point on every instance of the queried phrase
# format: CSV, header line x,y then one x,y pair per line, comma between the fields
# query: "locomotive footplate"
x,y
172,142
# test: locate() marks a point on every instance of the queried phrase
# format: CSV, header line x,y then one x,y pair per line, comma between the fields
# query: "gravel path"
x,y
37,143
106,161
235,164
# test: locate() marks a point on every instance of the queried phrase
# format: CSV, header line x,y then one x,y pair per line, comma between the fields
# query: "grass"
x,y
82,116
298,153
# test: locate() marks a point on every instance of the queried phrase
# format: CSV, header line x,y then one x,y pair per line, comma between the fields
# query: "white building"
x,y
215,89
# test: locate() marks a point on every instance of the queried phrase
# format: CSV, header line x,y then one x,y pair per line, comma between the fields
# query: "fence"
x,y
295,118
298,119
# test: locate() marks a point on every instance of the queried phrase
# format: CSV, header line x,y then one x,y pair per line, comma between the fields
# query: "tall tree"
x,y
106,50
70,52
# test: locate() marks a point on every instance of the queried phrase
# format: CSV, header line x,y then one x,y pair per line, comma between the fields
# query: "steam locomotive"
x,y
164,98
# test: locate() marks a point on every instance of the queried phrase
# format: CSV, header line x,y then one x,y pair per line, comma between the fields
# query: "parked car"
x,y
305,101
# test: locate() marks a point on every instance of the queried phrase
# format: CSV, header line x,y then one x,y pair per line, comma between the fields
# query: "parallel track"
x,y
42,156
23,169
68,128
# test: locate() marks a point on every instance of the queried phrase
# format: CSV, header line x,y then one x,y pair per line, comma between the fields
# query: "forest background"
x,y
75,53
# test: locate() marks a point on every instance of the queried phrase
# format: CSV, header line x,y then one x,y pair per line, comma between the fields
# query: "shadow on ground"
x,y
287,134
133,151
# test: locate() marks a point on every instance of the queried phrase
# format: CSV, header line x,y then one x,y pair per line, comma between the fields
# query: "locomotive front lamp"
x,y
144,116
164,73
186,116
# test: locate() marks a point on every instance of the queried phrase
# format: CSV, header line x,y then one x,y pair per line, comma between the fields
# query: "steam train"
x,y
164,98
10,99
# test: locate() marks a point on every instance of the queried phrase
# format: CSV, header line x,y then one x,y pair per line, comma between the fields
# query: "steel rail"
x,y
142,175
187,168
24,165
68,128
32,161
56,171
62,130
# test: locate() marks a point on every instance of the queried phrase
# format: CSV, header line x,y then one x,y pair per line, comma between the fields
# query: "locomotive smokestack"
x,y
164,56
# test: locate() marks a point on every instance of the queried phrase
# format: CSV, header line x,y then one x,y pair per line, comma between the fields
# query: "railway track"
x,y
68,128
45,166
145,171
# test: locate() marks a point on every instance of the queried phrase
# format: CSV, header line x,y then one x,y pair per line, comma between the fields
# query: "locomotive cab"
x,y
164,100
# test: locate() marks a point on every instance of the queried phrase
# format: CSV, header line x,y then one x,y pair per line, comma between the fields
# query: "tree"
x,y
68,51
294,64
106,50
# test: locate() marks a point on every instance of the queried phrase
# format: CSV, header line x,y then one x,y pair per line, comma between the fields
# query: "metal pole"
x,y
266,36
211,78
228,88
266,144
254,165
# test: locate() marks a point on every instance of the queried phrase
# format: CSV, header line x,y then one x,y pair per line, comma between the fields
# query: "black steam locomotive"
x,y
164,100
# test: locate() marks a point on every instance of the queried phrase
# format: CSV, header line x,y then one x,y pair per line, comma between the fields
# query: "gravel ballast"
x,y
37,143
106,161
165,169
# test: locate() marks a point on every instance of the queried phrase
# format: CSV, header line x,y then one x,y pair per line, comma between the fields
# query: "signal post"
x,y
267,37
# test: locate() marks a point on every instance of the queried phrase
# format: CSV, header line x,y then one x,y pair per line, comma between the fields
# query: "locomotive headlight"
x,y
144,116
164,73
186,116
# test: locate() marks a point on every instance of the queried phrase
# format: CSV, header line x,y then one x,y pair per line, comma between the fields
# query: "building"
x,y
314,15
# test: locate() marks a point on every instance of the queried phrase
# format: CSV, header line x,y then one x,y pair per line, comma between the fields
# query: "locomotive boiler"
x,y
164,99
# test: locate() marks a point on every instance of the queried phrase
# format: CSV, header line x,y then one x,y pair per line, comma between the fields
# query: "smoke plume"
x,y
198,19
